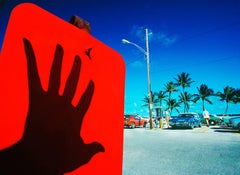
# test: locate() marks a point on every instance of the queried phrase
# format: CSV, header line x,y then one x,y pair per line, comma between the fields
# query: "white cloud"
x,y
138,32
137,64
160,37
135,104
165,39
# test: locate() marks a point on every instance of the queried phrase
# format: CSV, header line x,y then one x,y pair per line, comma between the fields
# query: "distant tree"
x,y
184,81
171,105
170,87
228,95
185,98
237,95
146,100
203,93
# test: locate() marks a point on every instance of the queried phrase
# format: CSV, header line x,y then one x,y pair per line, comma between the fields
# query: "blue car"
x,y
235,122
186,120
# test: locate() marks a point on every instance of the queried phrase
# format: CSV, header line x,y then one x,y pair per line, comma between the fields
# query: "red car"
x,y
135,120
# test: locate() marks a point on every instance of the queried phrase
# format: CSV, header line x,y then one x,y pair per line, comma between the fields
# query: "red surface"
x,y
106,69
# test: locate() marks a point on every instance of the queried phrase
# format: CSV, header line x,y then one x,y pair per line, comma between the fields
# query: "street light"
x,y
146,53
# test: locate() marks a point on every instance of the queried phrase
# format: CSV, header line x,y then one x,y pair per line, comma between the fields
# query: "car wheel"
x,y
191,125
200,125
145,124
133,125
212,122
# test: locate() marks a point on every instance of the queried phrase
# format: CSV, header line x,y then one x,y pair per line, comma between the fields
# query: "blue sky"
x,y
199,37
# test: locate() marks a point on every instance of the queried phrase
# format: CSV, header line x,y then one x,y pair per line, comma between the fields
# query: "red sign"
x,y
61,98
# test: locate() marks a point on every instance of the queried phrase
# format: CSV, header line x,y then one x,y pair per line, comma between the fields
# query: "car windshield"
x,y
126,116
185,116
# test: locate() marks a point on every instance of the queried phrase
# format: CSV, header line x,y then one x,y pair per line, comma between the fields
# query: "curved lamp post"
x,y
146,53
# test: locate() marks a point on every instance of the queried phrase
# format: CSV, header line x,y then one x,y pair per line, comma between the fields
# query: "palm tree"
x,y
185,98
228,95
237,95
170,87
184,81
203,93
160,96
172,104
146,100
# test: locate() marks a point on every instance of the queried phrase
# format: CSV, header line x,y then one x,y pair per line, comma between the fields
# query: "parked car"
x,y
188,120
226,119
135,120
235,122
214,119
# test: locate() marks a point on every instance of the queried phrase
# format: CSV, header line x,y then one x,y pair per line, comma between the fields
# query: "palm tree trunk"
x,y
161,112
226,108
184,101
203,106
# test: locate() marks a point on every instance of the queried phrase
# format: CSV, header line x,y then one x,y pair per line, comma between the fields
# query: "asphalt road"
x,y
201,151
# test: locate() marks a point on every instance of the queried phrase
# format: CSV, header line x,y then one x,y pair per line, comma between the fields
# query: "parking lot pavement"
x,y
203,129
205,150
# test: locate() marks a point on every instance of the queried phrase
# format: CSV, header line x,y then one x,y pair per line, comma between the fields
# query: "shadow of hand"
x,y
51,143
